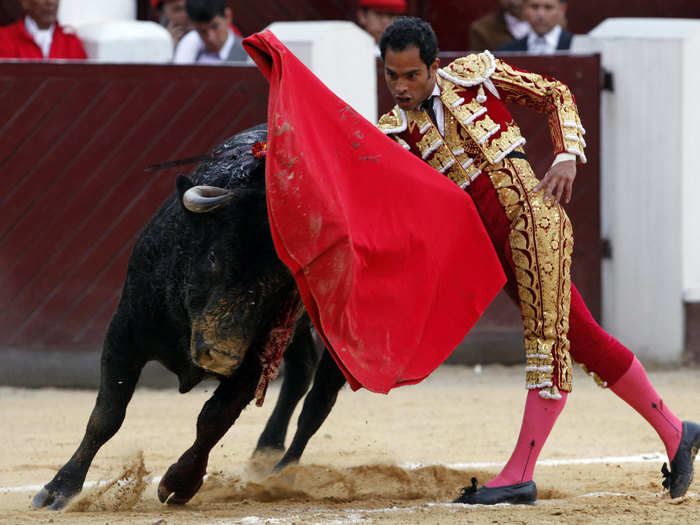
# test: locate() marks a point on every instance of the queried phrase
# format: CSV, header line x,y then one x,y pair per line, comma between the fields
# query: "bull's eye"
x,y
212,260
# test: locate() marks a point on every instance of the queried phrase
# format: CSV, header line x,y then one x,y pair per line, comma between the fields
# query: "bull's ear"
x,y
182,184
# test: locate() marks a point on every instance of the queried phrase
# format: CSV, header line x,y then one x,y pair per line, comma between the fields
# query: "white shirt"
x,y
544,44
439,109
518,28
42,37
190,49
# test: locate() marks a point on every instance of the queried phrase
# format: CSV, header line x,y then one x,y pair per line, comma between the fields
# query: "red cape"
x,y
391,258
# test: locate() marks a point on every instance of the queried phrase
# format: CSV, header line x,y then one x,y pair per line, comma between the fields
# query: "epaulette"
x,y
470,70
393,122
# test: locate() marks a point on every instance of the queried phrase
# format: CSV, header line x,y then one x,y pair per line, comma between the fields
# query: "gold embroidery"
x,y
480,129
471,69
510,138
430,139
391,122
467,112
434,150
449,92
599,380
464,151
542,261
403,143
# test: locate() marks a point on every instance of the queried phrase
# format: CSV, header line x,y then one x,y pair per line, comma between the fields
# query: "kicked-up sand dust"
x,y
390,459
120,493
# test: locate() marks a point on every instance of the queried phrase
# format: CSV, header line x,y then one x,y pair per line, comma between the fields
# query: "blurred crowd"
x,y
204,31
533,26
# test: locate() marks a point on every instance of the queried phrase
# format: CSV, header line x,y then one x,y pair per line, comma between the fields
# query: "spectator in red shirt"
x,y
39,35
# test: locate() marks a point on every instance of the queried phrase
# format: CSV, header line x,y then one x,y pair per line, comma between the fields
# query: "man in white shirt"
x,y
212,41
546,34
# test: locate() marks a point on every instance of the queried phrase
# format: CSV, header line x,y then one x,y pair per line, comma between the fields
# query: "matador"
x,y
455,118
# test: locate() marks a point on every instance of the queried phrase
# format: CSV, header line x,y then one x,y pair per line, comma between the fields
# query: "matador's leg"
x,y
534,241
614,366
539,246
608,361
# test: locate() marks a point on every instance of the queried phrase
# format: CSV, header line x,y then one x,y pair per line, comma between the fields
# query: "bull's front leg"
x,y
318,403
300,361
119,376
184,478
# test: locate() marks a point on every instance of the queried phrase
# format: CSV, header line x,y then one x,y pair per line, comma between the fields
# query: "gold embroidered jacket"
x,y
479,129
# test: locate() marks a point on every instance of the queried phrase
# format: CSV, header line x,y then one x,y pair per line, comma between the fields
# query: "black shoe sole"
x,y
694,447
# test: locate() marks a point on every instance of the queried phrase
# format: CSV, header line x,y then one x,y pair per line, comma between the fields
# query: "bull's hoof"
x,y
175,489
269,455
284,462
51,499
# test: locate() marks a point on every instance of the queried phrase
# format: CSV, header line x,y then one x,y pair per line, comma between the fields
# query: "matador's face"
x,y
409,80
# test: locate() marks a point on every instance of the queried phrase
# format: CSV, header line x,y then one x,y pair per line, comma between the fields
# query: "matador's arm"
x,y
546,95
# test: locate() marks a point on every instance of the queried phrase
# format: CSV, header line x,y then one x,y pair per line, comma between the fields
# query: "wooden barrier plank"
x,y
34,163
72,211
99,202
60,289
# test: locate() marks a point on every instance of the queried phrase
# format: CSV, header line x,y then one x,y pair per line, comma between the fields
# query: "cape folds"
x,y
391,259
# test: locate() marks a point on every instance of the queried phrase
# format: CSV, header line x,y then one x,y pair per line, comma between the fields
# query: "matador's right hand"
x,y
558,181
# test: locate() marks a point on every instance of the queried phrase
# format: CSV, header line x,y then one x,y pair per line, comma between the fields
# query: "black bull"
x,y
205,287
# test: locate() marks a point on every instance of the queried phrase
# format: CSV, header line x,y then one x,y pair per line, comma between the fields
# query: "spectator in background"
x,y
374,16
39,35
213,40
172,16
499,27
546,18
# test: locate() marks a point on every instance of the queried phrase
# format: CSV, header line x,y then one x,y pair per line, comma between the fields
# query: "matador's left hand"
x,y
558,181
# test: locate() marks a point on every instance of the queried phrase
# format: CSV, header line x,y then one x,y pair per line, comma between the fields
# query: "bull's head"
x,y
236,282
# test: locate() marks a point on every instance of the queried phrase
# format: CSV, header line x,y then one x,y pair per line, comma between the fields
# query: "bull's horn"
x,y
202,199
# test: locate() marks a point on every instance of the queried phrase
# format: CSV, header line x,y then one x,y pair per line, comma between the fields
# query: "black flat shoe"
x,y
678,479
518,494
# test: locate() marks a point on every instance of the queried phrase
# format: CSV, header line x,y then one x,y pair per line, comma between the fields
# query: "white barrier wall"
x,y
340,54
126,41
78,12
649,179
691,166
110,32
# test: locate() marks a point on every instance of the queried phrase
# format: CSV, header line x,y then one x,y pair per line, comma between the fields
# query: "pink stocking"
x,y
636,390
538,420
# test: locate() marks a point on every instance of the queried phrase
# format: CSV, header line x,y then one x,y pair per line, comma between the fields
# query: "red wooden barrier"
x,y
74,142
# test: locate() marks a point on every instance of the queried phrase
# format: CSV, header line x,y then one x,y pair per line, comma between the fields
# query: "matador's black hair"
x,y
408,31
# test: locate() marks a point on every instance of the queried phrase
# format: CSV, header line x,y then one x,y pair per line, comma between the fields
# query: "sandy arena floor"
x,y
378,459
